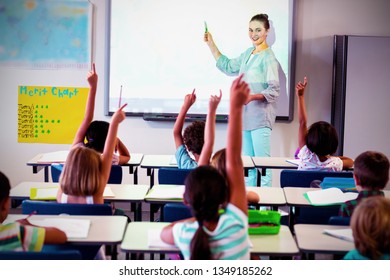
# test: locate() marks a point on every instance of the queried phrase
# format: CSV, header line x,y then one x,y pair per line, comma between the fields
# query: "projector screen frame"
x,y
163,116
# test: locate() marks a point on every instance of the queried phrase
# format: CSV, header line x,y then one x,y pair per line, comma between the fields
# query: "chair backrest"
x,y
54,208
55,255
303,178
172,176
116,174
340,221
175,211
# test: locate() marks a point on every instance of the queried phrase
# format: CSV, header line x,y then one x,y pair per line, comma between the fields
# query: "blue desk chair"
x,y
173,211
303,178
53,208
43,255
339,221
116,174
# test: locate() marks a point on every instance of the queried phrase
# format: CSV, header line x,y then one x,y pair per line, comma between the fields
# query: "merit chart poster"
x,y
50,114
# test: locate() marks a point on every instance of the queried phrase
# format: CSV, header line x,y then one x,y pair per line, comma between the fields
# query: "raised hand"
x,y
239,92
92,77
189,99
300,87
214,100
119,115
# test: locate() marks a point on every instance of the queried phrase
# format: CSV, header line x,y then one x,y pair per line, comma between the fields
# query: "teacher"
x,y
260,68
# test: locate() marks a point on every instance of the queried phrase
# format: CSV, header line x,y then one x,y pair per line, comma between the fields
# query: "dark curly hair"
x,y
193,137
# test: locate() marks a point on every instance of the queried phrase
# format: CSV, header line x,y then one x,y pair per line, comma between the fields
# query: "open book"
x,y
73,228
154,239
50,193
294,161
329,196
54,157
344,234
174,192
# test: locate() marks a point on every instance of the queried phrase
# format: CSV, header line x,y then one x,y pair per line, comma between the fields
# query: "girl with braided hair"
x,y
219,228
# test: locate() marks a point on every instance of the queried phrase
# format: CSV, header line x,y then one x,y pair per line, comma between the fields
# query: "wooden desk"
x,y
104,230
136,241
273,197
264,163
122,192
152,162
311,240
37,164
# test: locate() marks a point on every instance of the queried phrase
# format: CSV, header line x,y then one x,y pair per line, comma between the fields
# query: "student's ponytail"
x,y
200,247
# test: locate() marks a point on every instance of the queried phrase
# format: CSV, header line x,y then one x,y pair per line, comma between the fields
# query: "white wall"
x,y
316,23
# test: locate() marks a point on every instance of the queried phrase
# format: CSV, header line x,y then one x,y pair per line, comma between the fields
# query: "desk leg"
x,y
46,170
135,176
259,177
138,212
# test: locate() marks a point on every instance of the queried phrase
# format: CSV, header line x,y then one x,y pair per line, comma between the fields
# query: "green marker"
x,y
205,27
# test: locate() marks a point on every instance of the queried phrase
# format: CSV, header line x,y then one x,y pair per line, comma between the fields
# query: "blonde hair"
x,y
82,172
370,225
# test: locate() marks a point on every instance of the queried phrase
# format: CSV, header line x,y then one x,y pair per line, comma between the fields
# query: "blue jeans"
x,y
257,143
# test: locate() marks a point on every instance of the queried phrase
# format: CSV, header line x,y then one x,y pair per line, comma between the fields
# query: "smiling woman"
x,y
157,53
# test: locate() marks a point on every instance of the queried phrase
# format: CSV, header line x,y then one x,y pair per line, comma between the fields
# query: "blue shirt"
x,y
184,161
261,72
355,255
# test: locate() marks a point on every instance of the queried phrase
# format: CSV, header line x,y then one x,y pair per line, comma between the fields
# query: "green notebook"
x,y
49,193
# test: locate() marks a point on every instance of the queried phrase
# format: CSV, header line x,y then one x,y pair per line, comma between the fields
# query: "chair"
x,y
339,221
43,255
172,176
116,174
54,208
303,178
173,211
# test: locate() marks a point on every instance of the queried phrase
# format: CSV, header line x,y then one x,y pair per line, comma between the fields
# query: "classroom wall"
x,y
316,23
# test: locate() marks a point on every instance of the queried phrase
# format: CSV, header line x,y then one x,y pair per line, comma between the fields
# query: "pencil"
x,y
120,97
205,27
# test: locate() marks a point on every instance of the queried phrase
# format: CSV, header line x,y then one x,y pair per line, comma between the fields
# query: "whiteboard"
x,y
156,53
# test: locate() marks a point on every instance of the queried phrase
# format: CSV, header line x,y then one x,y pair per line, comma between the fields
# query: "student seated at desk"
x,y
95,132
371,174
370,225
193,138
86,172
21,235
318,143
219,228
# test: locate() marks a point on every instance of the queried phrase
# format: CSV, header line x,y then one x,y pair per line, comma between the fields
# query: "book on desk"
x,y
50,193
329,196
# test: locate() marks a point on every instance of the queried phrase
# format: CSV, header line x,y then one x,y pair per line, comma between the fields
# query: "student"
x,y
21,235
370,225
219,228
371,174
95,132
219,162
193,138
318,143
86,172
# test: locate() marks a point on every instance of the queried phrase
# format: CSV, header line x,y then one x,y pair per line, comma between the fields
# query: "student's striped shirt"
x,y
17,237
229,240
